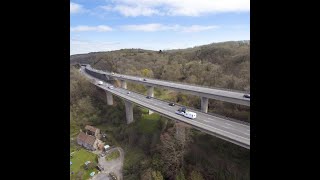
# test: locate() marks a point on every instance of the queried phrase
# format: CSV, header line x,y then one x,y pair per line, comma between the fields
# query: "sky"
x,y
105,25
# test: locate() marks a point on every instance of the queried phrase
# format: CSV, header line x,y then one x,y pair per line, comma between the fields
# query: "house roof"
x,y
86,138
91,128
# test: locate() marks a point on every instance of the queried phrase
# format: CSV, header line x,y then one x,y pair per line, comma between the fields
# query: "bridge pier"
x,y
150,91
129,111
204,104
123,84
109,98
151,94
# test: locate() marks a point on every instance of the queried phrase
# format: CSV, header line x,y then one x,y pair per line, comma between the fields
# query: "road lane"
x,y
232,131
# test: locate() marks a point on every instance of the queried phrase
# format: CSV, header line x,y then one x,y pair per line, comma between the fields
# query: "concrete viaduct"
x,y
233,131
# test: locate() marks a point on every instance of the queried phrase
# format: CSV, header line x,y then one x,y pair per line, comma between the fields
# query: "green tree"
x,y
180,176
195,175
156,175
146,73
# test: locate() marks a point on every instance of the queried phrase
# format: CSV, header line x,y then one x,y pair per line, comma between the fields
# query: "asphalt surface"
x,y
231,131
211,93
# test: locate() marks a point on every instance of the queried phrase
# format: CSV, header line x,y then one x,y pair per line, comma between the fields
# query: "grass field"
x,y
78,160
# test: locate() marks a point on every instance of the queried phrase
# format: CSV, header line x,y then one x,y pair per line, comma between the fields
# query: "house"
x,y
86,141
92,131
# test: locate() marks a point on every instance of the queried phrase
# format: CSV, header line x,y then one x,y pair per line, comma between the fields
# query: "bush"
x,y
113,155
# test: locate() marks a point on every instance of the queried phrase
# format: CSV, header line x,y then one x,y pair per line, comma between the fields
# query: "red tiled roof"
x,y
86,138
91,128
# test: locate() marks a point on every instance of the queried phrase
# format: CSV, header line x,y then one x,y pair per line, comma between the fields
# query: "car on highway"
x,y
246,96
100,82
113,176
148,97
144,80
110,87
171,104
128,92
183,111
112,73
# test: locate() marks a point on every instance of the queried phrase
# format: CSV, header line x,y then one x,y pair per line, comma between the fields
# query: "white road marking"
x,y
228,124
197,122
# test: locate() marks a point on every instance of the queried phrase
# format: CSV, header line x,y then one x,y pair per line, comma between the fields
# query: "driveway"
x,y
114,165
101,176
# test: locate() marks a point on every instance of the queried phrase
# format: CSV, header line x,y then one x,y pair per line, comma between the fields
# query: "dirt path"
x,y
114,165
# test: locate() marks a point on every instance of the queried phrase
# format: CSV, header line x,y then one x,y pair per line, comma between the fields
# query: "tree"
x,y
147,73
156,175
91,166
172,153
180,176
195,175
85,111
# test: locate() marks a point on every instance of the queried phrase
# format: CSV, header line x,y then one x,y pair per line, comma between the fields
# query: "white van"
x,y
100,82
183,111
191,115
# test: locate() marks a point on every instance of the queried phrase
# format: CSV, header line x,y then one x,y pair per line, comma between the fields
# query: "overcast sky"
x,y
104,25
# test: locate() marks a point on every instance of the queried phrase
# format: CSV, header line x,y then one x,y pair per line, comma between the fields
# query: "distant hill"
x,y
225,64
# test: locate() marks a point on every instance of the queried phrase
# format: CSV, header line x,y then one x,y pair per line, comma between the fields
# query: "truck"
x,y
100,82
183,111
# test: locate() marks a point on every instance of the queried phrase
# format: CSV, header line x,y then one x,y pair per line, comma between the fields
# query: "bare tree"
x,y
172,151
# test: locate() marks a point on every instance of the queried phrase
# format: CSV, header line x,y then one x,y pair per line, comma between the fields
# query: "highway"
x,y
211,93
231,131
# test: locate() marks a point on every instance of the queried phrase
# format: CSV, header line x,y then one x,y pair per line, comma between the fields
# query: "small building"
x,y
92,131
86,141
101,146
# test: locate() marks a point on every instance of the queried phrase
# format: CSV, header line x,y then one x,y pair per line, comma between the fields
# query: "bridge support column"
x,y
150,91
129,111
151,94
204,104
123,84
109,98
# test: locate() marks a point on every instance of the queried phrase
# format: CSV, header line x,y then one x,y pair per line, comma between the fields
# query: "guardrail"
x,y
210,113
240,143
189,84
198,110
